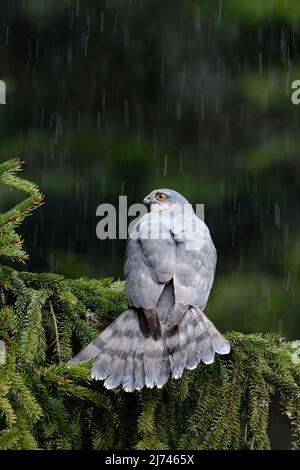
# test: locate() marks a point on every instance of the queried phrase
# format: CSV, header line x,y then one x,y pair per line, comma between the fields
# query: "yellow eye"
x,y
160,196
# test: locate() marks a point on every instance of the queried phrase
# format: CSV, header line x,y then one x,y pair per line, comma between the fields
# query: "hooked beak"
x,y
147,201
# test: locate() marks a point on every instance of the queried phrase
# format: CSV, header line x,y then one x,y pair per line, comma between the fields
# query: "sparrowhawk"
x,y
169,270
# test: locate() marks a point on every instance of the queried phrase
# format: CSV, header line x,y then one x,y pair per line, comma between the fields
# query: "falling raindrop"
x,y
165,165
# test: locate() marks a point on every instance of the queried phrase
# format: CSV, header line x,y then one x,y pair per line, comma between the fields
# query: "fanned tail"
x,y
124,356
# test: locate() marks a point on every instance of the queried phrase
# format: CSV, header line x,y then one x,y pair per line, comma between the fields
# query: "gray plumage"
x,y
169,270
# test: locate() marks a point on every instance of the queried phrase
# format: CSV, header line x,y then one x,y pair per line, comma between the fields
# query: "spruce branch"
x,y
11,243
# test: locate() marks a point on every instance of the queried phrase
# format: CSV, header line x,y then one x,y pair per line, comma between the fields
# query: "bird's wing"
x,y
149,261
196,259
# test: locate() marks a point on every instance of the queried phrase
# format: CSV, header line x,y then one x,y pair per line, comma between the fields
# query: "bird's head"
x,y
163,199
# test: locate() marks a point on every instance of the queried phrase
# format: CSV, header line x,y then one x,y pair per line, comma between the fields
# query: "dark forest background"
x,y
120,97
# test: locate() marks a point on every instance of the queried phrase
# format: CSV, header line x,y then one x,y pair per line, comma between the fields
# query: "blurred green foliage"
x,y
110,98
270,11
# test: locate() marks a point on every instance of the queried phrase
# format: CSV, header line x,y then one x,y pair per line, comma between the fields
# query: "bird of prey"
x,y
169,270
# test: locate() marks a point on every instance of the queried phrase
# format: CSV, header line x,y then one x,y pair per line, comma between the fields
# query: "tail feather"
x,y
205,343
139,370
192,356
117,366
220,344
156,364
128,382
163,371
101,366
151,351
177,342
